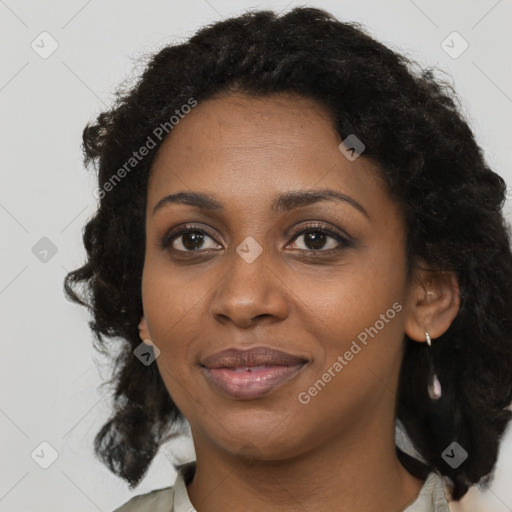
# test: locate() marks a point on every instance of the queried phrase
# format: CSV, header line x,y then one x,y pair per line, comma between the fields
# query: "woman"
x,y
300,246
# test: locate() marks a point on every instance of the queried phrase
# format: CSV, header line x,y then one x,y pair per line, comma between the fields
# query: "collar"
x,y
184,476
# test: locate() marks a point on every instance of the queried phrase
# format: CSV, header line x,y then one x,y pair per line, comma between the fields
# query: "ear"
x,y
144,331
433,303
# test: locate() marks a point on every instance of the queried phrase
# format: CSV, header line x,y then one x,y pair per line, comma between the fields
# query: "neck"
x,y
358,473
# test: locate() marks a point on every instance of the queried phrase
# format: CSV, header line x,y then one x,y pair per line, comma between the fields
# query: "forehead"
x,y
246,148
249,123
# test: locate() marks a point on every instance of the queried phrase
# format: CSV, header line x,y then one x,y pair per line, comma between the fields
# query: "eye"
x,y
316,239
188,239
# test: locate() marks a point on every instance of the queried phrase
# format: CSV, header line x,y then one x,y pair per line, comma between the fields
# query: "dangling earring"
x,y
434,386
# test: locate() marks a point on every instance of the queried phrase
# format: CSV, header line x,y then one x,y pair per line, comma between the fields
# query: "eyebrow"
x,y
282,203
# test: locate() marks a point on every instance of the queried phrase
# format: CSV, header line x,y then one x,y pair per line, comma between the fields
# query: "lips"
x,y
259,356
249,374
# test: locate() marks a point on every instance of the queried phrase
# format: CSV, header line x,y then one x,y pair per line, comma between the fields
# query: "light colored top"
x,y
175,498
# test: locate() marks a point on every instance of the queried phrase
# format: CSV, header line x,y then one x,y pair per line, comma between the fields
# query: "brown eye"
x,y
191,241
319,239
188,239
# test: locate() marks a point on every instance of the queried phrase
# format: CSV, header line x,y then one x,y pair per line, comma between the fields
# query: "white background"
x,y
49,376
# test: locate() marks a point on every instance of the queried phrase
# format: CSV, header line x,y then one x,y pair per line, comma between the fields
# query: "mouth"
x,y
249,374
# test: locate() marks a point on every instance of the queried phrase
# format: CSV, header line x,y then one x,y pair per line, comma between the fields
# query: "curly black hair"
x,y
413,128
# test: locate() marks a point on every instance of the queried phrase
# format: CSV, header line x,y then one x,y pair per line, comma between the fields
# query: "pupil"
x,y
316,239
193,236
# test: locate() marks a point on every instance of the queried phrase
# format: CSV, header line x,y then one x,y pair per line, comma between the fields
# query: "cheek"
x,y
169,307
358,313
359,338
169,303
345,299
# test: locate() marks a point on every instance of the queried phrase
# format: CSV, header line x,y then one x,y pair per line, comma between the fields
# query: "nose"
x,y
250,291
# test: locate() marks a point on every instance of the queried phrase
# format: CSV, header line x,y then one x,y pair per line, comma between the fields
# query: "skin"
x,y
337,452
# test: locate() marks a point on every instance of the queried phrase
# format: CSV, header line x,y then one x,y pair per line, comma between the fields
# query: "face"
x,y
323,279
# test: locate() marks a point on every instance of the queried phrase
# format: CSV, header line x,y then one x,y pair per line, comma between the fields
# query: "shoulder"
x,y
159,500
167,499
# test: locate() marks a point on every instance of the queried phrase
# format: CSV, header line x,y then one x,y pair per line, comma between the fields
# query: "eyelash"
x,y
344,242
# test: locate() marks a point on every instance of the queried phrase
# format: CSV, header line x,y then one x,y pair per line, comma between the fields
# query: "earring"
x,y
434,386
